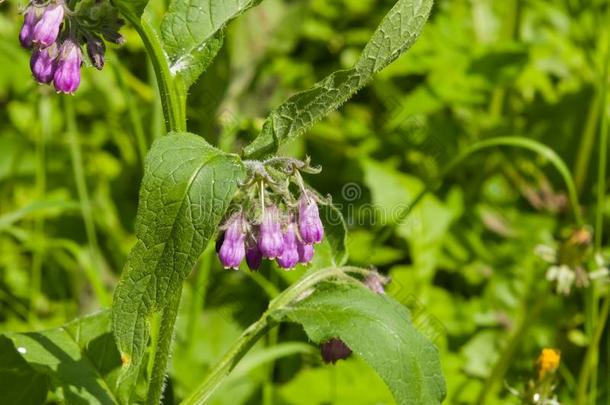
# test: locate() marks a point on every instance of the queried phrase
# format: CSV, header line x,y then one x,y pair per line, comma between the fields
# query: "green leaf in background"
x,y
379,330
396,33
335,231
80,358
132,9
192,33
187,188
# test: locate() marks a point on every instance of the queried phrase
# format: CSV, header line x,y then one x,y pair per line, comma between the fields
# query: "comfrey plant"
x,y
55,34
255,204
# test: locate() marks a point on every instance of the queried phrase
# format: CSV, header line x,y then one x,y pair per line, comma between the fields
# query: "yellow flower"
x,y
548,362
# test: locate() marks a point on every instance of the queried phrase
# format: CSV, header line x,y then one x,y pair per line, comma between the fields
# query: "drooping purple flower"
x,y
46,29
26,35
306,251
290,254
254,257
43,64
233,250
270,241
334,350
96,49
67,75
310,225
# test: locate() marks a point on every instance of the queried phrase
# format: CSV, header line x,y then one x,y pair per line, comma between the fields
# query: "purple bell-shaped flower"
x,y
233,250
270,241
43,64
26,35
334,350
67,75
310,225
47,28
290,254
305,251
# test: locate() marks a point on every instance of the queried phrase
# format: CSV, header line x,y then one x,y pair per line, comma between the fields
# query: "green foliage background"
x,y
463,260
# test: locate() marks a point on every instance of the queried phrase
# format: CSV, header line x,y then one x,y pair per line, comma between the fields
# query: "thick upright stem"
x,y
162,350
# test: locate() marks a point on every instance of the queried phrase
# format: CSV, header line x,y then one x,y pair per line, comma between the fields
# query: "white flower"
x,y
546,253
564,276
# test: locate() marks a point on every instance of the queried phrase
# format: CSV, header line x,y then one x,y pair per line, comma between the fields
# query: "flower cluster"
x,y
285,237
53,33
285,230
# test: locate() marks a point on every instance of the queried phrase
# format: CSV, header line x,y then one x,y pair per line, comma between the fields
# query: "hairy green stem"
x,y
255,331
162,348
173,98
95,274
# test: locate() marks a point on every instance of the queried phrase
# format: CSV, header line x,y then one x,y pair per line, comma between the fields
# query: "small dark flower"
x,y
67,75
290,255
270,241
310,225
334,350
43,64
46,29
254,257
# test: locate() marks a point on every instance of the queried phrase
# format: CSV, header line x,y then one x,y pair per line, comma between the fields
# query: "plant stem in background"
x,y
95,276
596,322
44,110
134,114
583,159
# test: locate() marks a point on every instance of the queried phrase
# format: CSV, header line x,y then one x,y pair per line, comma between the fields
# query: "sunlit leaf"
x,y
379,330
396,33
192,33
186,190
80,357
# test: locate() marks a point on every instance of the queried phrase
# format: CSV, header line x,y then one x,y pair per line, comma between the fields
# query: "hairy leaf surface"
x,y
379,330
187,188
396,33
192,33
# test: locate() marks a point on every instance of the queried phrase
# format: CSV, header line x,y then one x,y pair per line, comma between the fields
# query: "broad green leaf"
x,y
396,33
187,188
192,33
131,9
379,330
80,358
19,382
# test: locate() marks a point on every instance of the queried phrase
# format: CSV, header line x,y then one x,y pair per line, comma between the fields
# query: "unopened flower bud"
x,y
114,37
233,249
67,75
96,49
334,350
270,241
305,251
290,255
43,64
376,282
310,225
47,28
26,35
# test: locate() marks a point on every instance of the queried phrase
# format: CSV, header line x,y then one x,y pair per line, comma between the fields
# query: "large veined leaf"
x,y
396,33
192,33
379,330
80,358
186,190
